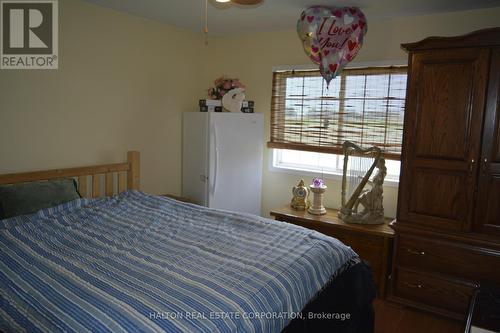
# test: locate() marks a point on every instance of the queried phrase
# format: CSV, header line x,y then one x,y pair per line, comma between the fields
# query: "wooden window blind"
x,y
362,105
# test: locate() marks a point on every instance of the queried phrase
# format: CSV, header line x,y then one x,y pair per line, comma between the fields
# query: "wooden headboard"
x,y
89,178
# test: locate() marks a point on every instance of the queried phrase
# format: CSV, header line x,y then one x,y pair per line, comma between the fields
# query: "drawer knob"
x,y
421,253
414,286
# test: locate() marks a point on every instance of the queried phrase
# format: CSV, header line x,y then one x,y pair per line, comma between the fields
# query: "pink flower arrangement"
x,y
222,85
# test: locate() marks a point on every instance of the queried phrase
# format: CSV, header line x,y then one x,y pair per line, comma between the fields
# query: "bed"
x,y
132,262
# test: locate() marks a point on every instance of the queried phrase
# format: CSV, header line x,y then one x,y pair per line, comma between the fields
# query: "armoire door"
x,y
488,203
442,134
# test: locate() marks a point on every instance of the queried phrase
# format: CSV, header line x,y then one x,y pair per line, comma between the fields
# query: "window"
x,y
322,163
310,121
362,105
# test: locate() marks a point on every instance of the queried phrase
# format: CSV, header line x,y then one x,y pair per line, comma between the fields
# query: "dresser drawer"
x,y
368,248
448,258
434,292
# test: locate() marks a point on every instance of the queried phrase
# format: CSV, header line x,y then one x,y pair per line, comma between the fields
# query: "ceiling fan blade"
x,y
246,2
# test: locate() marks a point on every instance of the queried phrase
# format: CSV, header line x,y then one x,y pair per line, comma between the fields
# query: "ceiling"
x,y
229,19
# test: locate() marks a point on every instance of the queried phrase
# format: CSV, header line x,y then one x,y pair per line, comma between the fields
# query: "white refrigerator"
x,y
222,160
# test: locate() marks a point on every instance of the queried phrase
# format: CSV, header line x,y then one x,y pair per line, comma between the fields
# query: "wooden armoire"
x,y
448,219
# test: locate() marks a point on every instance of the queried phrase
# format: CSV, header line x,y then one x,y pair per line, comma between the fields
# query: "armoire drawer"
x,y
448,258
434,292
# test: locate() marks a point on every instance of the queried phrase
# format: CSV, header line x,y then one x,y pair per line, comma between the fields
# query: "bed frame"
x,y
118,177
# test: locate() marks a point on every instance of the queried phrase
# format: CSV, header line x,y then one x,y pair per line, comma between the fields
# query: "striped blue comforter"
x,y
142,263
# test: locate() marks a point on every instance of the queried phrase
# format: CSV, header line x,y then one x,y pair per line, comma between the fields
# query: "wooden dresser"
x,y
373,243
448,220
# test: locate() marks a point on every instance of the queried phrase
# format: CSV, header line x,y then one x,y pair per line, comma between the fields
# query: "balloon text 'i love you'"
x,y
331,36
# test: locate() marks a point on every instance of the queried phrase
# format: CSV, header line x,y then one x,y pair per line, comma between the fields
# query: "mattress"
x,y
143,263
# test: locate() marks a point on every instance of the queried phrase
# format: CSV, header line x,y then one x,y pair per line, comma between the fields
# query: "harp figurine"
x,y
360,164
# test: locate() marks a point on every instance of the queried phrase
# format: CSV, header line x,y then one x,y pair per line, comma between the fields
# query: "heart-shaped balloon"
x,y
331,36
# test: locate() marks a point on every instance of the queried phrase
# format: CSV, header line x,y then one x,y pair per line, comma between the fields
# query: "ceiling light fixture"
x,y
238,2
242,2
246,2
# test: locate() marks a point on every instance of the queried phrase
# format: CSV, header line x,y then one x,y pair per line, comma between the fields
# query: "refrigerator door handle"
x,y
216,162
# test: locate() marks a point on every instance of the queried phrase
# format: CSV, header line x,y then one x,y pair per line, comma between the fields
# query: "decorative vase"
x,y
317,207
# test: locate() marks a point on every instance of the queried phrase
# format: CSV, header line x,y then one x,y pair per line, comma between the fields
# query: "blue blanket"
x,y
142,263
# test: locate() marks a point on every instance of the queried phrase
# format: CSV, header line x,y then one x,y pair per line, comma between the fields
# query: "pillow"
x,y
27,198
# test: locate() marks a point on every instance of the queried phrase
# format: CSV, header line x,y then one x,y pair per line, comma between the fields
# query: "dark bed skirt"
x,y
343,306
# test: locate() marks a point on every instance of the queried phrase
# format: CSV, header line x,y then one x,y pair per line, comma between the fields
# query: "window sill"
x,y
313,173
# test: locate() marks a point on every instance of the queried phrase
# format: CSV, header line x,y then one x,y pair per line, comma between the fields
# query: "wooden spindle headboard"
x,y
117,177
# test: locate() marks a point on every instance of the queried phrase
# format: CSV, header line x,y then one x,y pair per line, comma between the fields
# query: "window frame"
x,y
337,176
